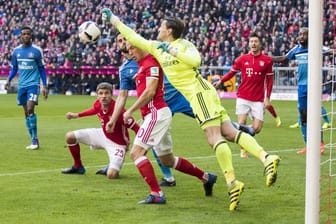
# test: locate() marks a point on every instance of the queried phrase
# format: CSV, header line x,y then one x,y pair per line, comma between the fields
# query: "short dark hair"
x,y
254,34
176,25
105,85
27,28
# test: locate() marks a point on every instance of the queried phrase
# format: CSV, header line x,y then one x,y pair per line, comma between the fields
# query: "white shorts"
x,y
252,108
95,138
155,132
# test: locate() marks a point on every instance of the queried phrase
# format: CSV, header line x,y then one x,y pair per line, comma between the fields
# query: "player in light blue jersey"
x,y
27,61
300,54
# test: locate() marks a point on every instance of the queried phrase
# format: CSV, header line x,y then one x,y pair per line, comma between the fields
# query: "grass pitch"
x,y
33,190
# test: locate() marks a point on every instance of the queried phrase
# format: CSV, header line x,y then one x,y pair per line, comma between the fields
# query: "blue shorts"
x,y
26,94
302,97
178,104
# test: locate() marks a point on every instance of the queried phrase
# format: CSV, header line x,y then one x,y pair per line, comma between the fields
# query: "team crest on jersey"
x,y
261,63
30,55
154,71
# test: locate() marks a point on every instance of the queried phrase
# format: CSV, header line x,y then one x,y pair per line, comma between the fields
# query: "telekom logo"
x,y
249,71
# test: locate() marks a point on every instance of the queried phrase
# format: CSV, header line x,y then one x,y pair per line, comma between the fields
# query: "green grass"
x,y
33,190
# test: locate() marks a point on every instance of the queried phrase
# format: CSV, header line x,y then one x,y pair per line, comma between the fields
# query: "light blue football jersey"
x,y
29,64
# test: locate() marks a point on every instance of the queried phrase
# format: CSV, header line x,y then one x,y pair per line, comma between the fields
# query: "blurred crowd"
x,y
219,28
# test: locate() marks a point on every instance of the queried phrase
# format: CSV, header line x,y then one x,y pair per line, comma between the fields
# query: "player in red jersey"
x,y
115,143
155,130
254,92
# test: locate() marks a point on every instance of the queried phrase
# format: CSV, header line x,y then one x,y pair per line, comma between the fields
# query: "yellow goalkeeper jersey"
x,y
182,70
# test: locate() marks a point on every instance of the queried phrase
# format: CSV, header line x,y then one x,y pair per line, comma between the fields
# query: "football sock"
x,y
185,166
270,108
75,152
166,172
28,127
250,144
304,132
224,158
147,172
324,115
32,119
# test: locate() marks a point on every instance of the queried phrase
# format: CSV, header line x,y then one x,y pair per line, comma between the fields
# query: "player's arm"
x,y
146,96
131,36
85,113
226,77
131,122
282,58
13,71
188,55
269,87
119,106
43,76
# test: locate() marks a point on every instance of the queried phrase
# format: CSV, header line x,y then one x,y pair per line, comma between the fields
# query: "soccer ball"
x,y
88,32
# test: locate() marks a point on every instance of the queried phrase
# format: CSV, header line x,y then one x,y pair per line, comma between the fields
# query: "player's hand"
x,y
127,116
71,115
267,102
216,84
45,92
7,85
164,46
106,14
110,126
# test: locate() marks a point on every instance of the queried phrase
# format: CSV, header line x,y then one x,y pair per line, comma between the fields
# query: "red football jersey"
x,y
149,68
255,70
120,134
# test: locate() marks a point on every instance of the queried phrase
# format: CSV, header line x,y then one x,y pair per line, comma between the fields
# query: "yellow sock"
x,y
224,158
250,144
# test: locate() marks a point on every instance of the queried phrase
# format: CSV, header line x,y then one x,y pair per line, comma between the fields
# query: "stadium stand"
x,y
219,28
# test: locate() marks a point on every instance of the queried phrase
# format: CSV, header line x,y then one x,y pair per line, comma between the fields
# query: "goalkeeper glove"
x,y
164,46
106,14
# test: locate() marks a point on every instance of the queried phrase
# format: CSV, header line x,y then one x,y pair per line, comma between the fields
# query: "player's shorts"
x,y
252,108
302,97
26,94
154,132
178,104
95,138
208,110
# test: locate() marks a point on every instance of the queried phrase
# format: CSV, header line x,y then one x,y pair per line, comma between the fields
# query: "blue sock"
x,y
28,127
304,132
33,125
324,115
165,170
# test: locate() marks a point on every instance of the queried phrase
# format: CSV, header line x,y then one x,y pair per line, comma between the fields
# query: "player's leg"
x,y
164,151
168,179
326,121
224,159
274,114
32,100
146,170
243,108
116,154
302,107
144,140
297,124
74,148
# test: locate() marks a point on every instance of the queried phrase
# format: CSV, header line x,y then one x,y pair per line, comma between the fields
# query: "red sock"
x,y
75,152
185,166
147,172
270,108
